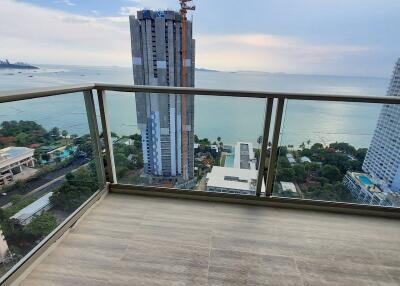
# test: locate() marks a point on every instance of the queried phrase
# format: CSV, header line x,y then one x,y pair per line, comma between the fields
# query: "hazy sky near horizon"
x,y
342,37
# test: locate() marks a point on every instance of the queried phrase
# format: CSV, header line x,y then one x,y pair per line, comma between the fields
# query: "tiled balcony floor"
x,y
135,240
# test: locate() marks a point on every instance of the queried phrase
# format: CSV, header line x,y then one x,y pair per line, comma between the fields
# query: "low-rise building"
x,y
244,156
288,187
305,159
28,213
365,191
232,181
290,158
12,162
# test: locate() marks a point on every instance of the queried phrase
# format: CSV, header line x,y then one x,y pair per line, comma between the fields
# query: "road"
x,y
40,186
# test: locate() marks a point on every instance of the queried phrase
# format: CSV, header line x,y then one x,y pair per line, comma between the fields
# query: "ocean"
x,y
232,119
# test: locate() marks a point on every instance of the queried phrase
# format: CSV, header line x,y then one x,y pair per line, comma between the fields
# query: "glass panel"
x,y
46,170
322,151
222,141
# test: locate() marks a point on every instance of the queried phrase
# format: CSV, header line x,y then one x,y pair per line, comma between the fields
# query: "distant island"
x,y
204,69
5,64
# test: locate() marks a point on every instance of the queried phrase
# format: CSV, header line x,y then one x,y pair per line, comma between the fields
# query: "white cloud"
x,y
52,36
263,52
65,2
129,10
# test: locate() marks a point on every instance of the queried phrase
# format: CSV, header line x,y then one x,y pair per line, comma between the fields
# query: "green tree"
x,y
332,173
86,147
41,226
306,152
316,147
344,147
79,186
361,153
23,139
283,162
282,150
300,172
64,133
55,132
285,174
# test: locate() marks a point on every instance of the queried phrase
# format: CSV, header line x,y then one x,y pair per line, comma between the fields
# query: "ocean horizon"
x,y
232,119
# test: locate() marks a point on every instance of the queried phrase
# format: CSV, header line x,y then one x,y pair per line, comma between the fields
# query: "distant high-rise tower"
x,y
167,133
383,157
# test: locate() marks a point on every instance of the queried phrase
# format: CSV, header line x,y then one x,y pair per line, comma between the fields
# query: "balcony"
x,y
144,234
145,240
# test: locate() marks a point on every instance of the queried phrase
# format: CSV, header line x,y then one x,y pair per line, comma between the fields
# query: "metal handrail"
x,y
281,97
15,95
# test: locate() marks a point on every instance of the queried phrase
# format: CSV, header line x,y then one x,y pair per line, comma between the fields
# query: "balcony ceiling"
x,y
136,240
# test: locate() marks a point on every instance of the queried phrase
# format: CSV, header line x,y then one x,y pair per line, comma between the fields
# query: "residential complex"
x,y
383,158
165,120
364,190
240,178
232,180
13,161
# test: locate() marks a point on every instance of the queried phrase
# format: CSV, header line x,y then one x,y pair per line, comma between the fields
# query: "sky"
x,y
335,37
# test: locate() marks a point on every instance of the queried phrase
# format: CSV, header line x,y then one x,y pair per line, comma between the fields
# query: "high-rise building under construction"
x,y
159,39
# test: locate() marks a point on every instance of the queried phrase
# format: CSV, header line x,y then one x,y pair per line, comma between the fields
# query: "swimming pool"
x,y
365,180
229,159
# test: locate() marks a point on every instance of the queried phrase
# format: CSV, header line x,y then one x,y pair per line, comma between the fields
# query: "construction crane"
x,y
184,8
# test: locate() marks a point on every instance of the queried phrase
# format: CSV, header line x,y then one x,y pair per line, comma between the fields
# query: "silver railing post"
x,y
264,145
274,148
107,136
94,134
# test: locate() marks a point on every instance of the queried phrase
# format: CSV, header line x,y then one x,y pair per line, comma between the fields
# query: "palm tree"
x,y
302,146
308,143
218,139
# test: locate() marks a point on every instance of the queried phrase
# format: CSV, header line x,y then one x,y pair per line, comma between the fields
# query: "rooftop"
x,y
244,156
124,241
232,178
10,153
366,181
33,208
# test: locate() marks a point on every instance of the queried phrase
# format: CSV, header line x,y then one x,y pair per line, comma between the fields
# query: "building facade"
x,y
383,157
364,191
165,121
12,162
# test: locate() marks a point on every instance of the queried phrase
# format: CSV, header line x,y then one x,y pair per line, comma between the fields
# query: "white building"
x,y
244,156
383,158
305,159
28,213
232,181
12,161
288,187
290,158
364,190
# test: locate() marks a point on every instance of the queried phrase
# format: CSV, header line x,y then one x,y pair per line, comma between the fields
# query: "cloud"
x,y
52,36
264,52
128,10
65,2
56,37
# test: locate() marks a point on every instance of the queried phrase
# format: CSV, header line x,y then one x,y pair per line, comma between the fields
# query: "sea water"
x,y
232,119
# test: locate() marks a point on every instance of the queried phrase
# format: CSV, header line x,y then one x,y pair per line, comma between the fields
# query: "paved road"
x,y
53,181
